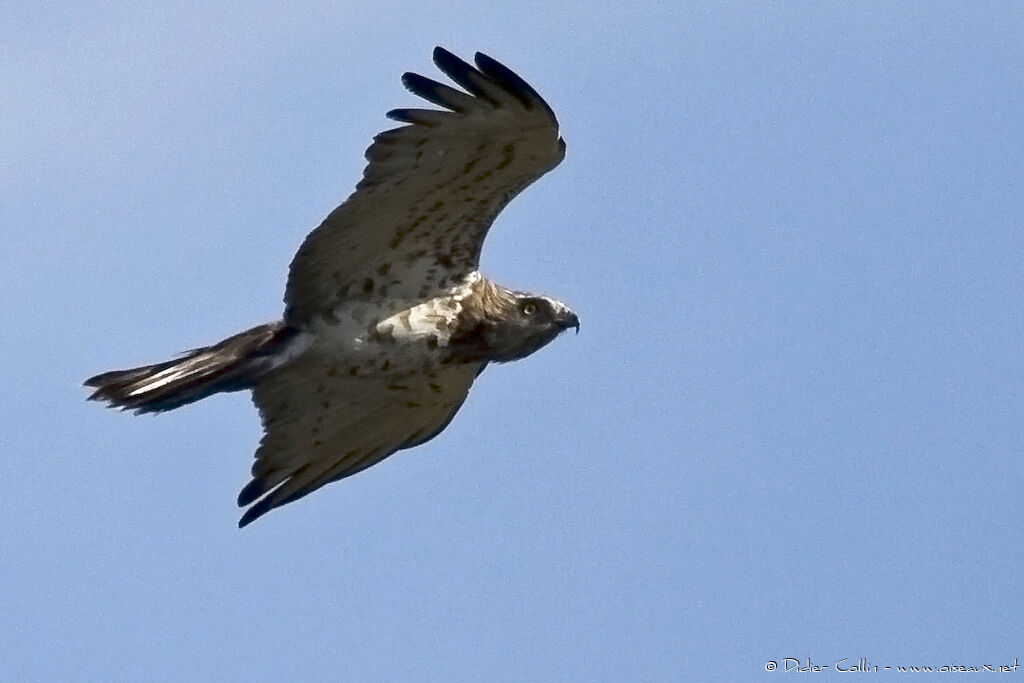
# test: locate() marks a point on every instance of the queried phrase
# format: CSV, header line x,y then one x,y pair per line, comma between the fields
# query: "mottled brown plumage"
x,y
387,318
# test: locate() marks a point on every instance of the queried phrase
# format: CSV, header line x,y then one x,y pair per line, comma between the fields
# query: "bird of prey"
x,y
387,319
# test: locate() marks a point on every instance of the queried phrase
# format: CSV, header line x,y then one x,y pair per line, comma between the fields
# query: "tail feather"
x,y
232,365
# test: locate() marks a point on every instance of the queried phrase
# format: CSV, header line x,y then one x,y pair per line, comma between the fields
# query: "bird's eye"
x,y
528,308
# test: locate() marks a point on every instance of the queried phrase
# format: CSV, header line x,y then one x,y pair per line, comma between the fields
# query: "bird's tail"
x,y
232,365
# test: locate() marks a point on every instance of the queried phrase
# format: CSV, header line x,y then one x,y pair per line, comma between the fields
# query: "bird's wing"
x,y
430,191
323,424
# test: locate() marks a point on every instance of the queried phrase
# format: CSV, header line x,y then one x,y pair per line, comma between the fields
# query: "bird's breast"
x,y
365,338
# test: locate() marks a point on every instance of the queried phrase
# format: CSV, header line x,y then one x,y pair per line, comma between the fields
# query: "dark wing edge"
x,y
265,495
490,81
314,438
488,85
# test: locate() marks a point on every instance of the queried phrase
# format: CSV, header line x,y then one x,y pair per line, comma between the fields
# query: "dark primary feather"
x,y
424,117
465,75
438,93
512,83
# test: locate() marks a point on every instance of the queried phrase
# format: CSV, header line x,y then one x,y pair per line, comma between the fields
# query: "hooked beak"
x,y
570,320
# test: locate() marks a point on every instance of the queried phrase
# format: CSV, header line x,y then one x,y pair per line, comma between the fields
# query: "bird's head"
x,y
506,325
535,321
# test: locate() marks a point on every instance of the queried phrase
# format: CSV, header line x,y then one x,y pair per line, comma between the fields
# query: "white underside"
x,y
367,332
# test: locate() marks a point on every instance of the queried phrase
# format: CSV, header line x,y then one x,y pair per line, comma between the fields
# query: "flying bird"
x,y
387,319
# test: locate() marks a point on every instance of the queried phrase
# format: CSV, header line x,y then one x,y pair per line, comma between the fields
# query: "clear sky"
x,y
792,424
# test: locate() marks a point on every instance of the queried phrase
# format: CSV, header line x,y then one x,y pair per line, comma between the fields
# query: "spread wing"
x,y
430,191
323,424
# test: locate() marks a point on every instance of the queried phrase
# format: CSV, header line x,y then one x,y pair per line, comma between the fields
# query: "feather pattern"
x,y
430,191
324,423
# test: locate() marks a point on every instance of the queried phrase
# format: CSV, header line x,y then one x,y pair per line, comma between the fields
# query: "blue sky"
x,y
791,425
